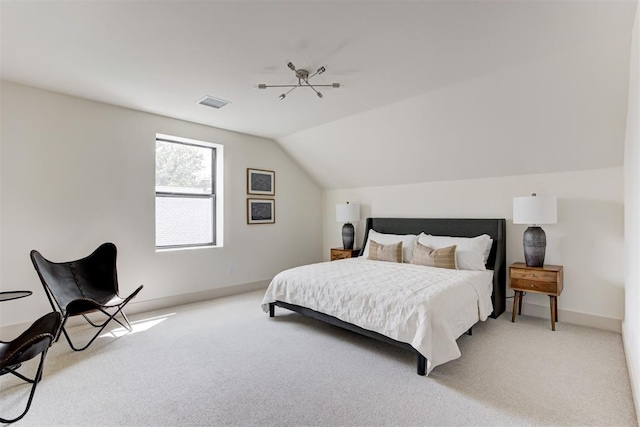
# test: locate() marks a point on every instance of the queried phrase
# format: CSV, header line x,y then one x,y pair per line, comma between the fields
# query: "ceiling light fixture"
x,y
303,80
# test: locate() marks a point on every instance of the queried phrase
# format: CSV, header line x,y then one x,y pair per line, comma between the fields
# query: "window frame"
x,y
213,195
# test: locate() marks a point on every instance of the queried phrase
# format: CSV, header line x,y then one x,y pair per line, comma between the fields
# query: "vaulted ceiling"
x,y
432,90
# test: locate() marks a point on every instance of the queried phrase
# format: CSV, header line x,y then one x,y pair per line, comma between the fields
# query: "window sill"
x,y
187,248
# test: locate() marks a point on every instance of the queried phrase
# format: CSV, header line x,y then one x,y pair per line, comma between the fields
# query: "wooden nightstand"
x,y
339,253
541,280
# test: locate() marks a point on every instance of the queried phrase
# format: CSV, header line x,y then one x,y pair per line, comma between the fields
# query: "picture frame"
x,y
261,182
261,211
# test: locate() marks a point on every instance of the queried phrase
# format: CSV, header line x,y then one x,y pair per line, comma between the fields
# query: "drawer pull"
x,y
533,286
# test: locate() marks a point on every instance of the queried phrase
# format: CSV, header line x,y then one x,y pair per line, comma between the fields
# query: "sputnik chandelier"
x,y
303,80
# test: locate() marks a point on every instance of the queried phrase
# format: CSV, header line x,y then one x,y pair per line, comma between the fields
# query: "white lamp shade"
x,y
535,210
348,212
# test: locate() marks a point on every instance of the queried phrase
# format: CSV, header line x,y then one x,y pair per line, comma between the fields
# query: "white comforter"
x,y
423,306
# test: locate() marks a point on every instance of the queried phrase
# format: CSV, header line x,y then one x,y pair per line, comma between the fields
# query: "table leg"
x,y
555,306
553,313
520,306
515,306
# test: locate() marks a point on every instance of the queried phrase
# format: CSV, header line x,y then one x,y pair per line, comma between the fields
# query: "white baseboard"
x,y
633,375
575,317
143,306
135,307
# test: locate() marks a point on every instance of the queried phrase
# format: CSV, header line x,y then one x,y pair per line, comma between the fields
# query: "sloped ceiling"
x,y
431,90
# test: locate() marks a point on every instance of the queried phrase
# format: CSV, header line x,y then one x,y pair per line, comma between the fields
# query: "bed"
x,y
421,309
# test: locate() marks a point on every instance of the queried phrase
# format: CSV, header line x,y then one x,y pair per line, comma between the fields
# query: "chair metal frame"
x,y
77,278
35,340
110,317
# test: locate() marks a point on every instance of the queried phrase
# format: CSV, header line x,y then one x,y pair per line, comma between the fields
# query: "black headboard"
x,y
496,228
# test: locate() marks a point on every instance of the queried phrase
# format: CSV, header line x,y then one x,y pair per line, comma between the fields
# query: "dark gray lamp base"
x,y
348,234
535,244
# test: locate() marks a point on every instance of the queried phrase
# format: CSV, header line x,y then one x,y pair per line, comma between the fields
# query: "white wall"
x,y
631,324
588,239
76,173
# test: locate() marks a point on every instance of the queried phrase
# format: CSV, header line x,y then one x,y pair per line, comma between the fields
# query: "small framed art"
x,y
261,182
261,211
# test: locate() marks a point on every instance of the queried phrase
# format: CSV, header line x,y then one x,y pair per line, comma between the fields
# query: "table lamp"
x,y
535,210
348,213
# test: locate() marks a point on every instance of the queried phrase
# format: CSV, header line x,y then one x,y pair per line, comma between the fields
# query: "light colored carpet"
x,y
225,362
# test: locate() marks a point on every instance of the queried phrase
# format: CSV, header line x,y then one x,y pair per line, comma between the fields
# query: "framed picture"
x,y
261,211
261,182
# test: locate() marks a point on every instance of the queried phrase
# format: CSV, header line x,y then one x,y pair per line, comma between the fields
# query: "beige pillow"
x,y
470,251
408,243
441,258
391,252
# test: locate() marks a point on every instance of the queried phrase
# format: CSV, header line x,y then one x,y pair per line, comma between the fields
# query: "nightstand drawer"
x,y
339,253
537,275
531,285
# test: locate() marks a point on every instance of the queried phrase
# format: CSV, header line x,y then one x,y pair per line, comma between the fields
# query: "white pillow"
x,y
470,251
408,243
487,251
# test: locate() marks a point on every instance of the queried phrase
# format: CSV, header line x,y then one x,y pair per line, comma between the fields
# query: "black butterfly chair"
x,y
35,340
84,286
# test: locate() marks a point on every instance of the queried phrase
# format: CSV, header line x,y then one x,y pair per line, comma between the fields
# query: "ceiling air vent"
x,y
210,101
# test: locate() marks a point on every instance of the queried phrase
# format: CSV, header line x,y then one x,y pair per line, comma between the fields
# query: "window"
x,y
187,192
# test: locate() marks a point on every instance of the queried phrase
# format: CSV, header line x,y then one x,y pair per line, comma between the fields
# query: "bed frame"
x,y
496,228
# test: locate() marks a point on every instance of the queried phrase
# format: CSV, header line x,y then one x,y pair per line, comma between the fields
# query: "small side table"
x,y
11,295
8,296
542,280
340,253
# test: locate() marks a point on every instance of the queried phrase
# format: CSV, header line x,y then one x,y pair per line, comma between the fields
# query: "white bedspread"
x,y
423,306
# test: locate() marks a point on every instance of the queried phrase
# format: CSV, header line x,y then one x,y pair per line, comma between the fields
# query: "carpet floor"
x,y
225,362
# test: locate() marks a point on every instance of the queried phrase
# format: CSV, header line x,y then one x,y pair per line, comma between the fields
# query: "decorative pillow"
x,y
378,252
470,251
441,258
408,243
